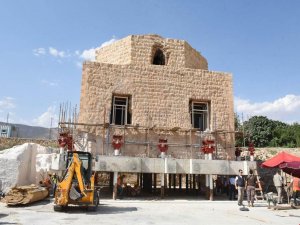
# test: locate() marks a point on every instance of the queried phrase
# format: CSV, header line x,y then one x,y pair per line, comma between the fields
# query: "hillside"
x,y
34,132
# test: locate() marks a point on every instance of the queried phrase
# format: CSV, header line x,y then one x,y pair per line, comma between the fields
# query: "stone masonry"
x,y
160,97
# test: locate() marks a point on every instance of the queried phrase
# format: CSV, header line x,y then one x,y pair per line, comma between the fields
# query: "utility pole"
x,y
7,118
243,130
51,119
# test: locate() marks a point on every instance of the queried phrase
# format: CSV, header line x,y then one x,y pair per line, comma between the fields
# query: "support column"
x,y
138,179
111,181
180,182
174,182
186,183
115,189
154,184
194,183
211,184
206,179
162,184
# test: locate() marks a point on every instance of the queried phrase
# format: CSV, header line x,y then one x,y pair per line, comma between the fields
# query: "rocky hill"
x,y
32,132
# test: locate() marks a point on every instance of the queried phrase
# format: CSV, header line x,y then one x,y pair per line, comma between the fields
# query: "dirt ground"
x,y
150,211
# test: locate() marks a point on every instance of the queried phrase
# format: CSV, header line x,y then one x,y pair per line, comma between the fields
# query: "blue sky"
x,y
43,44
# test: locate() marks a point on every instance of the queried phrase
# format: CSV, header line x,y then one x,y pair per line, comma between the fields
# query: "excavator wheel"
x,y
96,202
96,198
57,208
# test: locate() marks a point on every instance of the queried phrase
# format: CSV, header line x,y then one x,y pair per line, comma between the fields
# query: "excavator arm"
x,y
65,186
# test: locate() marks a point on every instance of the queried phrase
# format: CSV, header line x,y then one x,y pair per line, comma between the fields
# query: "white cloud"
x,y
50,83
56,53
39,51
89,54
7,103
108,42
44,120
285,109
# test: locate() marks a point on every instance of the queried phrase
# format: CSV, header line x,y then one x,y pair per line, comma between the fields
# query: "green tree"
x,y
259,130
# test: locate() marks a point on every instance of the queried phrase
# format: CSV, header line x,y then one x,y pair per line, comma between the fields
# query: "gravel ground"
x,y
168,212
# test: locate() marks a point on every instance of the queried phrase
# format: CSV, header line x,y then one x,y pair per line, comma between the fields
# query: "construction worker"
x,y
295,183
250,187
46,183
240,186
120,181
54,180
278,183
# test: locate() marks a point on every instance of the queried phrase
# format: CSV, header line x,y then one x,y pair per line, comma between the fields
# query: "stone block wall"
x,y
140,49
160,94
193,59
118,52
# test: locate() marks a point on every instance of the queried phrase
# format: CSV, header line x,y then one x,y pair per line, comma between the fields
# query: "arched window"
x,y
159,58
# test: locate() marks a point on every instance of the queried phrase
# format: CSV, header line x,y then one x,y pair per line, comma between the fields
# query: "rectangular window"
x,y
120,114
199,115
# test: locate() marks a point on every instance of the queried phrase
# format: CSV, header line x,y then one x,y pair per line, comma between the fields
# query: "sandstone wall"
x,y
193,59
140,49
159,96
118,52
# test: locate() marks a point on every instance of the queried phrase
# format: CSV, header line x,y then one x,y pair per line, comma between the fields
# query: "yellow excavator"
x,y
77,186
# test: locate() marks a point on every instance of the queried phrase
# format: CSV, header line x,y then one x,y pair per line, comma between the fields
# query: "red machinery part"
x,y
66,140
163,146
251,148
208,146
117,141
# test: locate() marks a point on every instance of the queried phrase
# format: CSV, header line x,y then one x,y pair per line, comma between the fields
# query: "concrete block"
x,y
118,163
58,162
170,165
153,165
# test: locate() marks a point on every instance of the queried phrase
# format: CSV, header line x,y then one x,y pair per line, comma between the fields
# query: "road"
x,y
150,212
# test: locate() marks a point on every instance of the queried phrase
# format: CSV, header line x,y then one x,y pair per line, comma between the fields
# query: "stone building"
x,y
145,88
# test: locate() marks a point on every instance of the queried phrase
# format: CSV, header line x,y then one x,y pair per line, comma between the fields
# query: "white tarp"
x,y
23,165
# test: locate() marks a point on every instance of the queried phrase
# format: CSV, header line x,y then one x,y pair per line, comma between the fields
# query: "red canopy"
x,y
281,157
292,168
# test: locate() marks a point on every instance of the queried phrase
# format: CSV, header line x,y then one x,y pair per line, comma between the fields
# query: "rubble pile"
x,y
23,195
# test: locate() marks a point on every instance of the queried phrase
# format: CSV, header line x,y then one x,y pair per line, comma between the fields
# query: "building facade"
x,y
144,88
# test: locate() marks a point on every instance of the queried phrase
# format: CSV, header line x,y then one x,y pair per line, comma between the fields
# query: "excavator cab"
x,y
77,186
86,164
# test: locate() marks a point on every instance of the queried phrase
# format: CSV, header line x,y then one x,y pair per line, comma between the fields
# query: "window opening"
x,y
159,58
199,115
120,114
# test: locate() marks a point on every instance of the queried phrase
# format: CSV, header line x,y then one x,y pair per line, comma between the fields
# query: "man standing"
x,y
250,187
295,183
240,186
278,182
232,188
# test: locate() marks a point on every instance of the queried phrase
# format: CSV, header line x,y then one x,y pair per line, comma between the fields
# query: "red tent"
x,y
292,168
281,157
